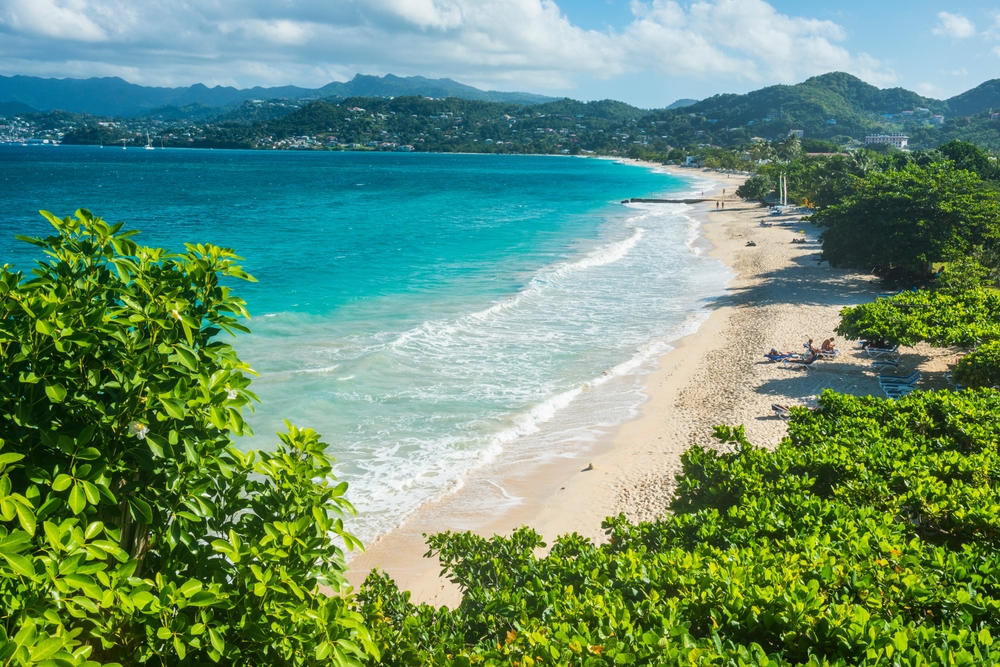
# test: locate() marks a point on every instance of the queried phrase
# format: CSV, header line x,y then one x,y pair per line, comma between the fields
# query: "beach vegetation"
x,y
133,531
899,222
937,317
756,188
868,536
981,368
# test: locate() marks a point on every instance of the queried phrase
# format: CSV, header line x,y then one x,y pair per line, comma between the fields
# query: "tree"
x,y
132,530
757,187
898,222
971,158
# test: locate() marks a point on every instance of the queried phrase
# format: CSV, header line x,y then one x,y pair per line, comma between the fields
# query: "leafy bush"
x,y
757,188
962,275
132,531
980,368
869,536
939,318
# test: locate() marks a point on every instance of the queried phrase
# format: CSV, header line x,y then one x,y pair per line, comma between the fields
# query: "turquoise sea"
x,y
425,313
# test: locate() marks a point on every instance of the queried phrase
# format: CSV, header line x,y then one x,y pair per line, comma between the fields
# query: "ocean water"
x,y
425,313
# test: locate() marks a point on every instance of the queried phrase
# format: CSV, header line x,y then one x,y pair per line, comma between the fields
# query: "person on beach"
x,y
812,348
828,346
805,360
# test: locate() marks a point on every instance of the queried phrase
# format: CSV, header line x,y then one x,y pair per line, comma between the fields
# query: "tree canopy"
x,y
900,221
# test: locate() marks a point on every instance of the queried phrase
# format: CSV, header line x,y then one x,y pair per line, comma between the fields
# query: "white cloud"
x,y
511,44
63,20
954,25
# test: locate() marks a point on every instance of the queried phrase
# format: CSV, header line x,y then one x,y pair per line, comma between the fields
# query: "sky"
x,y
645,52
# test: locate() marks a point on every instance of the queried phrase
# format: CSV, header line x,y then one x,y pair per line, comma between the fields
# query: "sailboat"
x,y
149,144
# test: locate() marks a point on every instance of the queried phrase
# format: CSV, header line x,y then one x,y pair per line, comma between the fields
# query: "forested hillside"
x,y
836,108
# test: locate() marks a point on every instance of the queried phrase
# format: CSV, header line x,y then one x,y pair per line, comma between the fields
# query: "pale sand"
x,y
780,296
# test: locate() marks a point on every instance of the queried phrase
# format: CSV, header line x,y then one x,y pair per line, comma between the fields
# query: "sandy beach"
x,y
780,296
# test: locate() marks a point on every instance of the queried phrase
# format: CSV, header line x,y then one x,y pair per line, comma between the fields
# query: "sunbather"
x,y
805,360
828,346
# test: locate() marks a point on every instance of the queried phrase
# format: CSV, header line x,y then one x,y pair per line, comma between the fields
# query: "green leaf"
x,y
20,564
55,392
173,407
44,327
190,587
27,519
202,599
10,458
61,482
90,490
77,498
187,358
217,642
141,507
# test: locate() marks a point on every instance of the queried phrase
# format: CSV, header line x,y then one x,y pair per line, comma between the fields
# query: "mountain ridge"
x,y
113,96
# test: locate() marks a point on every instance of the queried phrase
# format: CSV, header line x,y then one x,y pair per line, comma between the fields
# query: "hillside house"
x,y
900,141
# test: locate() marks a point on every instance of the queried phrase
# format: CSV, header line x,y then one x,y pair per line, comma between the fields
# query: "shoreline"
x,y
523,494
778,296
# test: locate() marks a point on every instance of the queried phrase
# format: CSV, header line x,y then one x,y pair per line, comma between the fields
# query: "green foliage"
x,y
971,158
980,368
758,187
132,531
819,146
939,318
898,222
869,536
962,275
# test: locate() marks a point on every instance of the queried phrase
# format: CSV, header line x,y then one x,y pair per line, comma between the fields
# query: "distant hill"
x,y
397,86
984,96
8,109
827,106
112,96
680,104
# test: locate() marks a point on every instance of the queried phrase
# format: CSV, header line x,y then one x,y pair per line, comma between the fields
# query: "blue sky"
x,y
646,52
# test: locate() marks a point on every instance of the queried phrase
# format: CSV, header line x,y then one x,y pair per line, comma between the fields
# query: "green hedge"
x,y
869,536
981,368
939,318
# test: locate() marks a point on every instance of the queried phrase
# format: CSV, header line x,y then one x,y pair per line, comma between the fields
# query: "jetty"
x,y
639,200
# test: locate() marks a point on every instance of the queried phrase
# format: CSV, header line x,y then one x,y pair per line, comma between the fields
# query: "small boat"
x,y
149,144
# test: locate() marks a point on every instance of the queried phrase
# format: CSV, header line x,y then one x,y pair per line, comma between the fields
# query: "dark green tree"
x,y
756,188
898,222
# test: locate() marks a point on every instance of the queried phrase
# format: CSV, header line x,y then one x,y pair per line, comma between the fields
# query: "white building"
x,y
898,140
797,133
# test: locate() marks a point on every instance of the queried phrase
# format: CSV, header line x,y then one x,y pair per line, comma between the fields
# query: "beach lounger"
x,y
781,411
886,363
898,392
779,356
882,351
806,363
899,379
831,354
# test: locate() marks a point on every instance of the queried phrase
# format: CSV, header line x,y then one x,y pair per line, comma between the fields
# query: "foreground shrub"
x,y
980,368
939,318
132,531
869,536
